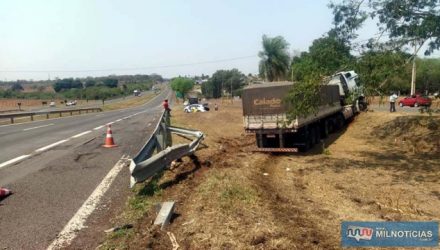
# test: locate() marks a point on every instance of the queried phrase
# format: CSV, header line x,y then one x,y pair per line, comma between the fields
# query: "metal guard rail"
x,y
47,113
146,164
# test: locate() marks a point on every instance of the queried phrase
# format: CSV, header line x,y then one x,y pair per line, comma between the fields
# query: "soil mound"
x,y
412,133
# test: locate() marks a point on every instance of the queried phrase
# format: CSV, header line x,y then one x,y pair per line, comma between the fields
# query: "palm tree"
x,y
274,63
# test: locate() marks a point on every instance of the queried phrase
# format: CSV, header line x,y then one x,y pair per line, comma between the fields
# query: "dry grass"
x,y
128,103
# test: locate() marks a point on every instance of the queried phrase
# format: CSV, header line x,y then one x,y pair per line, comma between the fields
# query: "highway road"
x,y
55,166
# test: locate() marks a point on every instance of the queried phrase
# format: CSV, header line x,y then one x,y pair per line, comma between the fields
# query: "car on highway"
x,y
415,101
196,108
71,103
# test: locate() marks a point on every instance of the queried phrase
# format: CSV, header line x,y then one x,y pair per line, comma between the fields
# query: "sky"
x,y
79,38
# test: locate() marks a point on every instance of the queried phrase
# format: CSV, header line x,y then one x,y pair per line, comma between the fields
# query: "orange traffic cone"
x,y
109,143
4,192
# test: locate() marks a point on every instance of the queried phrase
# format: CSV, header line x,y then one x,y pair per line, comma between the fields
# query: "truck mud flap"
x,y
279,150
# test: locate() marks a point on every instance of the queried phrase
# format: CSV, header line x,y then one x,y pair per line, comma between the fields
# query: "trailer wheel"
x,y
305,139
325,129
312,136
339,122
318,134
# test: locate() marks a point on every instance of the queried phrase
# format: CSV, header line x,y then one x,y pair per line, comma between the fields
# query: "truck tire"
x,y
305,139
325,129
339,122
318,135
312,136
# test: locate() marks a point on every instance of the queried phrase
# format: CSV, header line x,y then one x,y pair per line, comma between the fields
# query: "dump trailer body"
x,y
265,114
263,106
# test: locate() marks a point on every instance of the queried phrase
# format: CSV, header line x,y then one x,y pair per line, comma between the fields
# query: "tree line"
x,y
90,88
221,83
382,66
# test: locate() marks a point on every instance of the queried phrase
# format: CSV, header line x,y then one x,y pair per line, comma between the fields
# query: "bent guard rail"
x,y
46,113
146,164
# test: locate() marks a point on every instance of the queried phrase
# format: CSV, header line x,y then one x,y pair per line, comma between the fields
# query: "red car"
x,y
415,101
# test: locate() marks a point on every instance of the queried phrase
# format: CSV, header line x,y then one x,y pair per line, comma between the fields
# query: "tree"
x,y
382,71
309,94
230,81
182,85
17,87
428,76
404,22
90,83
274,63
77,84
111,82
326,56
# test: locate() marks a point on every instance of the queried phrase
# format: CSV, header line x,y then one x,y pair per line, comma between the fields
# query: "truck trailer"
x,y
265,113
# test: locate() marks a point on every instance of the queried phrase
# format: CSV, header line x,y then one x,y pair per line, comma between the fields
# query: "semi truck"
x,y
265,113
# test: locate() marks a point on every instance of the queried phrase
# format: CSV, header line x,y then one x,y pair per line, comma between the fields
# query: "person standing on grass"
x,y
215,107
393,99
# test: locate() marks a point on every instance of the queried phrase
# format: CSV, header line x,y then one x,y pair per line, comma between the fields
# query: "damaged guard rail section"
x,y
146,164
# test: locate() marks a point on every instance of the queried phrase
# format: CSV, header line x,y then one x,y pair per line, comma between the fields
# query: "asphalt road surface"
x,y
53,166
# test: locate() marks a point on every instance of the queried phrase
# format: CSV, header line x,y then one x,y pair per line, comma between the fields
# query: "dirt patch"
x,y
417,134
233,198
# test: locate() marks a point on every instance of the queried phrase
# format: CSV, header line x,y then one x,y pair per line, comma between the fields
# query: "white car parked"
x,y
195,108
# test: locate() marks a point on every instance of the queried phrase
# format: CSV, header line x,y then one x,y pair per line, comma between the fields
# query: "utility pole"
x,y
413,77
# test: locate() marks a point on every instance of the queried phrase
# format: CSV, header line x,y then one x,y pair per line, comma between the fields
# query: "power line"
x,y
129,69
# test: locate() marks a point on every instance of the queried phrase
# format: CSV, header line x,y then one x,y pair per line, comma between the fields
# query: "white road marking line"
x,y
110,123
97,128
42,126
81,134
98,115
4,164
51,145
65,237
118,120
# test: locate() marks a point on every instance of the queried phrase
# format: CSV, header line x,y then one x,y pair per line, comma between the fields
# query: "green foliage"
x,y
274,63
142,86
30,95
89,83
428,75
404,22
326,56
224,81
303,68
68,83
17,87
303,99
182,85
384,71
111,82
